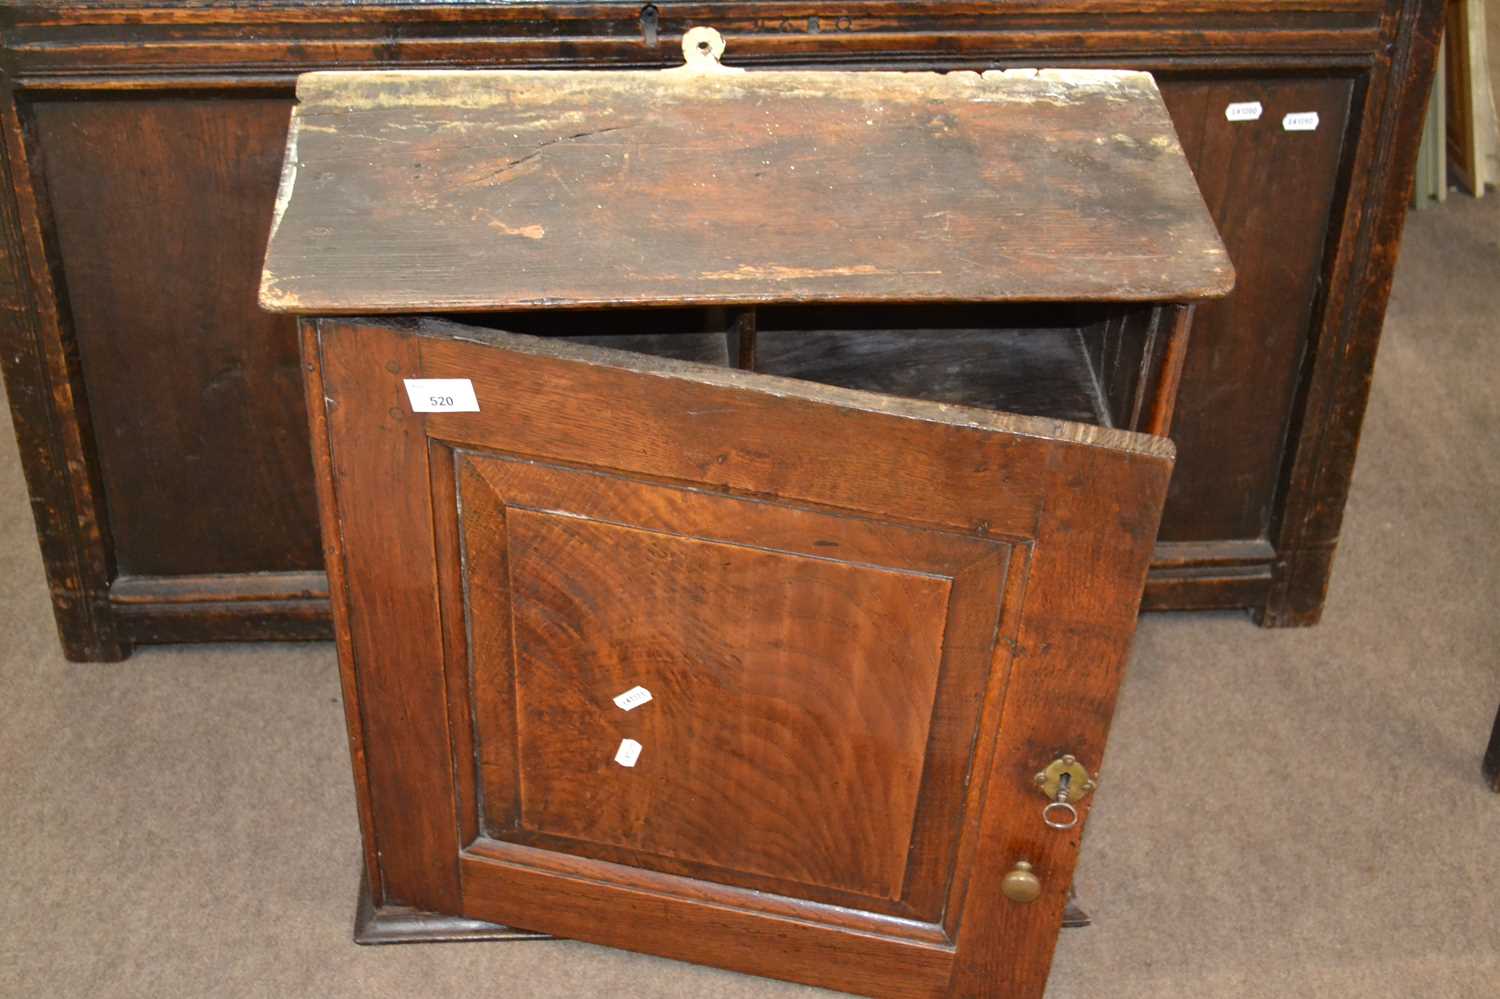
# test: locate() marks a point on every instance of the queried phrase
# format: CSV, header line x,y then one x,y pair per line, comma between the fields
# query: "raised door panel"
x,y
815,678
865,622
160,208
1271,192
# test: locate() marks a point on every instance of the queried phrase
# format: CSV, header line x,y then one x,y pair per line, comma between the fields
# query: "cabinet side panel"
x,y
161,207
333,550
376,481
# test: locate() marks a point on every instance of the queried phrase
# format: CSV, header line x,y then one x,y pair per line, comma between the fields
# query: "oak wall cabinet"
x,y
159,413
727,659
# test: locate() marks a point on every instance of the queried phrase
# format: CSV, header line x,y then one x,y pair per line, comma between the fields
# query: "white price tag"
x,y
1243,111
441,395
628,753
632,698
1301,121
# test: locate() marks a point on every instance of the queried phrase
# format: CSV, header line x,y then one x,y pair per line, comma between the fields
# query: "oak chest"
x,y
159,410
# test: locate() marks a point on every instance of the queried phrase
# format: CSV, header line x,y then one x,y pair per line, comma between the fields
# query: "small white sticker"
x,y
632,698
628,753
1243,111
1302,121
441,395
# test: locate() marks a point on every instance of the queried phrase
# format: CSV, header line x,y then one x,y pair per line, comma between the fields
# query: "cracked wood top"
x,y
446,191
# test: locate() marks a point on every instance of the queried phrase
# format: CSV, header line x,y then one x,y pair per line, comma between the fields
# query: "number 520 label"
x,y
441,395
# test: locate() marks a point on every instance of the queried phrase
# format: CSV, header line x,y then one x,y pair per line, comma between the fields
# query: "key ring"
x,y
1063,779
1062,805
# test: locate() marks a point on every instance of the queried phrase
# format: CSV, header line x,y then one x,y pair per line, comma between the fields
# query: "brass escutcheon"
x,y
1079,784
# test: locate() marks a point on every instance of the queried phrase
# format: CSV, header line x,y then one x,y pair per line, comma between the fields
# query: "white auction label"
x,y
1243,111
441,395
628,753
632,698
1301,121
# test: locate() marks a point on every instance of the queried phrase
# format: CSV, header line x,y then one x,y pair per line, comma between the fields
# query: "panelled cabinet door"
x,y
864,624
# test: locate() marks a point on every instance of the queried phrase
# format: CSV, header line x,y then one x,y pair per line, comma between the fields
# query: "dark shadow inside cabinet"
x,y
1086,363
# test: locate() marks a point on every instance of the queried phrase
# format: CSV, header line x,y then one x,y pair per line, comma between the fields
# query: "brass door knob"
x,y
1020,885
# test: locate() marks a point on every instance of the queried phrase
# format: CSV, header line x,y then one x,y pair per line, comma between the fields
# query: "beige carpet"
x,y
1287,813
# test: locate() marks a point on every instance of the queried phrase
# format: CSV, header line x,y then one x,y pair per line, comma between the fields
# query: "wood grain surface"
x,y
460,191
1232,444
178,363
792,699
762,629
392,646
866,622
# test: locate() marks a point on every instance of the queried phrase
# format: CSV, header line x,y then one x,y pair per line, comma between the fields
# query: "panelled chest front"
x,y
158,409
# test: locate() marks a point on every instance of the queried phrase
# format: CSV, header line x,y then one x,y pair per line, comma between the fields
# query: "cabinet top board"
x,y
450,191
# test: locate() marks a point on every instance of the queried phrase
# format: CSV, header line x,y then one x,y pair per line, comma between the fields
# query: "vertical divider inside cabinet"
x,y
742,338
1149,371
